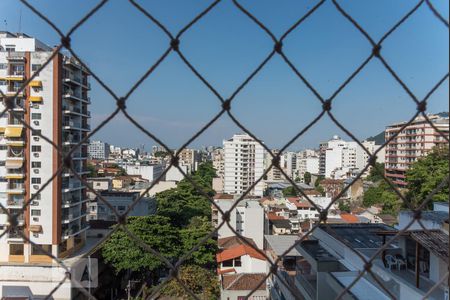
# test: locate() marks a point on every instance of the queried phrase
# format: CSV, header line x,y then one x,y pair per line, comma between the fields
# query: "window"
x,y
3,66
237,262
35,180
38,196
120,207
35,148
227,263
3,147
39,249
36,164
35,212
2,82
36,116
35,67
15,249
36,132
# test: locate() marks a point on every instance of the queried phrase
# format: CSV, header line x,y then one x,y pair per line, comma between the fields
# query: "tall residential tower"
x,y
244,164
55,104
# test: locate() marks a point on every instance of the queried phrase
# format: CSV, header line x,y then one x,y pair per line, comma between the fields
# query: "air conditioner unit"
x,y
36,154
35,235
36,138
36,171
35,219
36,122
35,186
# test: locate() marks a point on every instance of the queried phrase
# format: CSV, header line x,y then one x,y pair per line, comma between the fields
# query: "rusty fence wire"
x,y
174,47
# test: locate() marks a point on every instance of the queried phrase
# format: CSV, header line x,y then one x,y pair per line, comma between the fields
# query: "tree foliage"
x,y
426,174
382,194
203,283
307,177
376,173
289,192
125,253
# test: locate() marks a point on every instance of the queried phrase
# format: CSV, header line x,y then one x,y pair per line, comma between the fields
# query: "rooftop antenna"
x,y
6,24
20,21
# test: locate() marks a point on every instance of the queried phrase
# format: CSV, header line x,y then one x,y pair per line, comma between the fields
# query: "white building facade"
x,y
244,164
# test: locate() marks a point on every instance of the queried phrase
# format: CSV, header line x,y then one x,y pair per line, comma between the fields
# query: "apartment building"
x,y
55,104
247,218
413,142
341,159
189,158
274,173
150,172
244,164
98,150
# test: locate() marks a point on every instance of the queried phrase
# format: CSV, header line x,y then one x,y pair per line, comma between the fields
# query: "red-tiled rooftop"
x,y
349,218
233,241
238,251
299,203
244,281
274,216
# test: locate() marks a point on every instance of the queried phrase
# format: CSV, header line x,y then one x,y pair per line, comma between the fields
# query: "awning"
x,y
13,163
15,143
35,228
2,128
35,98
13,131
14,176
35,83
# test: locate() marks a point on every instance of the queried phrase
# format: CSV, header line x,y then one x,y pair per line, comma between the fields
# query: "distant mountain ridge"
x,y
379,138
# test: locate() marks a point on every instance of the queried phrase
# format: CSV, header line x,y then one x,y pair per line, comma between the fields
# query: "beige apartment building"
x,y
413,142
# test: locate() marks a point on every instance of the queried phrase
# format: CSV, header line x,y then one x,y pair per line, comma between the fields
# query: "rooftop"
x,y
281,223
435,241
358,235
233,241
280,243
238,251
434,216
244,281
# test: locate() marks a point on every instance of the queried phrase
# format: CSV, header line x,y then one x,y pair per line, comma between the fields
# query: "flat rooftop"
x,y
358,236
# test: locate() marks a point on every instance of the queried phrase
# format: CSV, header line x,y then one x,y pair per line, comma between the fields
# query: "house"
x,y
122,182
238,286
240,259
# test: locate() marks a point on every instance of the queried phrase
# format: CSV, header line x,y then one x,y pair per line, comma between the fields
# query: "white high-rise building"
x,y
98,150
244,164
55,104
340,157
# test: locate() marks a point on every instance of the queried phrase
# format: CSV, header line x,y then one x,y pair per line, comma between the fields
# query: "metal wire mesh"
x,y
174,47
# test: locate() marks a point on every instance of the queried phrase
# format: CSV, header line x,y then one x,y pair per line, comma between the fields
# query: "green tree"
x,y
426,174
203,283
376,173
197,230
92,170
124,253
382,194
289,192
307,177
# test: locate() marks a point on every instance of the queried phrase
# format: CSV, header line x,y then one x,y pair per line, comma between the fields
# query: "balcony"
x,y
16,56
15,75
15,174
15,188
15,202
15,233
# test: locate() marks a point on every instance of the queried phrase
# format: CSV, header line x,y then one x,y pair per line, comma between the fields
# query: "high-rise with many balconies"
x,y
411,143
244,165
55,104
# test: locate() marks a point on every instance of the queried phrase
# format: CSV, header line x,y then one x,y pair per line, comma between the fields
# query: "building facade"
x,y
413,142
55,104
244,164
98,150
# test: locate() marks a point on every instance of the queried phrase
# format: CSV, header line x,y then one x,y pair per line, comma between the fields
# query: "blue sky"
x,y
120,44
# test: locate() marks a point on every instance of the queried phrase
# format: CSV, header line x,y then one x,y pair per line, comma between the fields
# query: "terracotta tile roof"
x,y
274,216
349,218
233,241
312,193
238,251
244,281
299,203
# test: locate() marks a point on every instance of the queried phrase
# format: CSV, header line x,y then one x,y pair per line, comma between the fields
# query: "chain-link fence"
x,y
175,47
